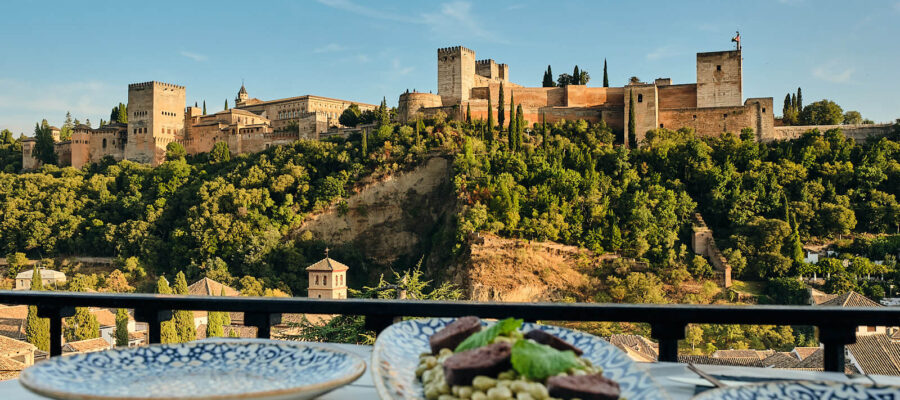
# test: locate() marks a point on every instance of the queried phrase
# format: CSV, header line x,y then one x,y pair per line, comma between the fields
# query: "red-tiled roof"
x,y
327,264
12,347
85,346
803,352
851,299
209,287
876,354
12,321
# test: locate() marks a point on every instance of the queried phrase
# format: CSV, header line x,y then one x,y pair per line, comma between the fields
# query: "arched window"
x,y
640,98
317,279
325,280
104,143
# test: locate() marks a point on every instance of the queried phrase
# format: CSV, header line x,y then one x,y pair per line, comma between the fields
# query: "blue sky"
x,y
81,55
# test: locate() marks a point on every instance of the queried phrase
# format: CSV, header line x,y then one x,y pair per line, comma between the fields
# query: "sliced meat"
x,y
585,387
462,368
545,338
454,334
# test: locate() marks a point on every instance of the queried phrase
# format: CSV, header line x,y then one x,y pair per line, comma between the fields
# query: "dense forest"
x,y
230,217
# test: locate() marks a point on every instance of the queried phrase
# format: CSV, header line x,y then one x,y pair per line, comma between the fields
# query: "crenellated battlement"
x,y
146,85
454,50
487,61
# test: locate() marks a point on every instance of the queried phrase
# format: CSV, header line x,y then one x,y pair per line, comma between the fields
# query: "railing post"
x,y
153,318
835,337
55,314
668,334
263,322
379,322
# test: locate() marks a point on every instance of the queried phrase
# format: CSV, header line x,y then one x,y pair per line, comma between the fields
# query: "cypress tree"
x,y
799,100
794,102
576,76
548,78
490,120
37,330
544,131
512,108
632,136
204,107
364,145
468,113
82,326
520,126
786,109
184,319
121,327
500,108
114,114
605,75
511,134
123,114
168,334
195,104
418,132
226,104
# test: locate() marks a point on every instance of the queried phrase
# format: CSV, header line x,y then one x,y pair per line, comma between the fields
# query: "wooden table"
x,y
678,381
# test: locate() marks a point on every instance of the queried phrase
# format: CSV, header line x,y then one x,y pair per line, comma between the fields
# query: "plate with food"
x,y
468,358
802,390
218,369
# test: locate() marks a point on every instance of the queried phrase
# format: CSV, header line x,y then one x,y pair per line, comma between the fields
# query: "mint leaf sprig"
x,y
485,336
537,362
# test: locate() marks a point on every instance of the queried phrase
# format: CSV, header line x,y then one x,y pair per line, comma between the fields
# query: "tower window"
x,y
640,98
104,143
325,280
724,115
764,109
695,116
661,126
718,67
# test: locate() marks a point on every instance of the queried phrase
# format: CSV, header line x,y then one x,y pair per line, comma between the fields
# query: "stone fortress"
x,y
712,105
157,116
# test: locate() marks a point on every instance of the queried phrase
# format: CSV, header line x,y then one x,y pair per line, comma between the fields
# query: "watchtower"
x,y
155,119
456,74
241,96
327,279
719,79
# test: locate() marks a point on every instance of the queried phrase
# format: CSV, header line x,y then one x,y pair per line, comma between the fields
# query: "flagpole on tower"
x,y
737,40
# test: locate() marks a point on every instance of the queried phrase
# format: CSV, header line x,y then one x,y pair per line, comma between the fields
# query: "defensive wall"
x,y
856,132
705,245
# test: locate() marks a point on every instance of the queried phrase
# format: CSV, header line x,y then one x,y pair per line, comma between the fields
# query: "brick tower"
x,y
155,118
327,279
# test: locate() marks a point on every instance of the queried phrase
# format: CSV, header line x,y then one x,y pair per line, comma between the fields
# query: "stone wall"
x,y
411,103
704,244
456,74
677,96
156,108
646,112
857,132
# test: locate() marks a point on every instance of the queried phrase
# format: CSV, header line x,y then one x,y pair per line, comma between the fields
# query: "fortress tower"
x,y
456,74
155,118
719,79
241,96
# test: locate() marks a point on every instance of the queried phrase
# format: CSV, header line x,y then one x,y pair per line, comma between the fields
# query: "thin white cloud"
x,y
350,6
329,48
193,56
400,69
26,103
661,52
457,16
832,73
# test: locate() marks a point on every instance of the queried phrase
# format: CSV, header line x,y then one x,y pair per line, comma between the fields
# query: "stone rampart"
x,y
856,132
705,245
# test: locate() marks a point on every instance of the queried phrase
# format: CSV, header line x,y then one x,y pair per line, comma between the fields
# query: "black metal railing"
x,y
836,325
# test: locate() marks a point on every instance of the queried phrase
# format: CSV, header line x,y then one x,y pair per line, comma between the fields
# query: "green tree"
x,y
576,76
65,133
468,113
220,153
175,151
216,320
520,126
168,333
501,111
512,113
121,327
350,116
43,147
184,319
823,112
548,78
204,107
82,326
605,76
37,330
16,261
799,105
632,135
364,143
490,121
853,118
226,105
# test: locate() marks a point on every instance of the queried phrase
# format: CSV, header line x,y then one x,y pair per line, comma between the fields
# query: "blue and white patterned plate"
x,y
212,369
397,349
802,390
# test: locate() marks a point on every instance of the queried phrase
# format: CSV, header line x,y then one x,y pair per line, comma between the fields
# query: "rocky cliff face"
x,y
499,269
393,218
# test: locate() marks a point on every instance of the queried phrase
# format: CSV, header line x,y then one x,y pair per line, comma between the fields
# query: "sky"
x,y
80,56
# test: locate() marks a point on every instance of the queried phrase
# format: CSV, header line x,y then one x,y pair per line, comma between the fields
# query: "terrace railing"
x,y
836,325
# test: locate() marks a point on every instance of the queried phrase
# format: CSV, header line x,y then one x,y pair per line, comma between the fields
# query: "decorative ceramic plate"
x,y
397,349
212,369
803,390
